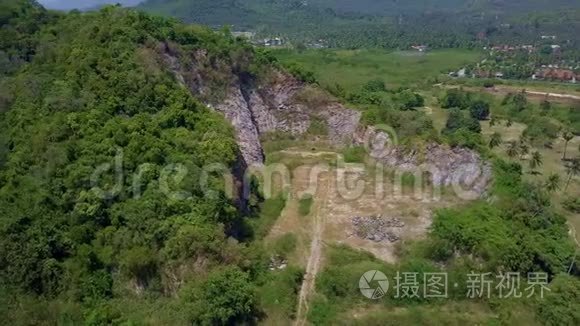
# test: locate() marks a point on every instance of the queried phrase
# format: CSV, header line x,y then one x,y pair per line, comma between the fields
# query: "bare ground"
x,y
336,201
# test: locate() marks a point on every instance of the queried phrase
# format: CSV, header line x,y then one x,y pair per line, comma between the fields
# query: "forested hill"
x,y
398,7
94,136
215,10
374,23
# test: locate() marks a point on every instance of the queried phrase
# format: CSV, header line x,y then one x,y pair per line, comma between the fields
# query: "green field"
x,y
352,68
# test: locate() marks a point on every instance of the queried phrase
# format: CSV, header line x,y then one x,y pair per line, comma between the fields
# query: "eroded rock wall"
x,y
285,104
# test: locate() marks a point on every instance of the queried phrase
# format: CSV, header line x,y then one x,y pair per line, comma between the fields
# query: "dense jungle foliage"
x,y
95,135
103,219
384,24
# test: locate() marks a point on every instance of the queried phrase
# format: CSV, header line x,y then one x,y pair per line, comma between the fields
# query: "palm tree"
x,y
568,136
536,160
573,170
553,182
492,122
509,123
524,148
513,149
495,140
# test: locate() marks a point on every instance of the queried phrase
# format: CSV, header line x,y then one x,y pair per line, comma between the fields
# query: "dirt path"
x,y
513,89
574,234
556,95
315,257
308,154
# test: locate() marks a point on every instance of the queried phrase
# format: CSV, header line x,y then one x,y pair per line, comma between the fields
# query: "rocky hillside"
x,y
255,106
278,101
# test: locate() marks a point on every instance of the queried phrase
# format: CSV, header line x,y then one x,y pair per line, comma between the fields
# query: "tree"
x,y
560,306
472,124
536,160
375,85
553,182
567,136
513,149
479,110
509,123
524,148
227,298
409,99
495,140
455,98
454,120
458,119
545,107
492,122
573,169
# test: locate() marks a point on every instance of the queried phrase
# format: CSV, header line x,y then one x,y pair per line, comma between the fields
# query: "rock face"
x,y
461,168
283,103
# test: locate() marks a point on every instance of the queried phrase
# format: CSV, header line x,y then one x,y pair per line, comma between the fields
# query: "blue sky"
x,y
83,4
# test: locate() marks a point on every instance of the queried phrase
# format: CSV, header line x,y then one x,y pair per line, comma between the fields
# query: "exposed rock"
x,y
255,108
462,168
283,103
237,110
377,228
277,262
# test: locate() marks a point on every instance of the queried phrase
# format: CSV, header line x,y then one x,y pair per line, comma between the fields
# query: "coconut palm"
x,y
524,148
568,136
553,182
573,169
536,160
513,149
495,140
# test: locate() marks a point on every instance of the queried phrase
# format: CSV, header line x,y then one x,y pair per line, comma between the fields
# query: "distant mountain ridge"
x,y
215,10
85,4
386,23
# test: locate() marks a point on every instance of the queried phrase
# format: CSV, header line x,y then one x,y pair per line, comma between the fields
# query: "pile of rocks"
x,y
376,228
277,262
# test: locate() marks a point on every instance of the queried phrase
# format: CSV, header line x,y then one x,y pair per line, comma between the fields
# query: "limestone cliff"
x,y
283,103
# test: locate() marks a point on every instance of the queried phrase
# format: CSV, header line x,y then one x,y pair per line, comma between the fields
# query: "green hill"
x,y
95,133
372,23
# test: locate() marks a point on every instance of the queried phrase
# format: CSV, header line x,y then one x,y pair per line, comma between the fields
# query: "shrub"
x,y
572,204
479,110
271,209
456,98
305,204
227,297
285,245
355,154
375,85
279,295
318,127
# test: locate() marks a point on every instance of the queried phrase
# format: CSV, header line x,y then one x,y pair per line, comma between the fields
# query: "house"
x,y
420,48
246,35
548,37
529,48
564,75
272,42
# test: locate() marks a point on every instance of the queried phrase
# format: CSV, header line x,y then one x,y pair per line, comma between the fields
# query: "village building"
x,y
420,48
556,74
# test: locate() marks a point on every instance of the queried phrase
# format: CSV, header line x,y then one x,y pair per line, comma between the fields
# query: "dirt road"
x,y
316,246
